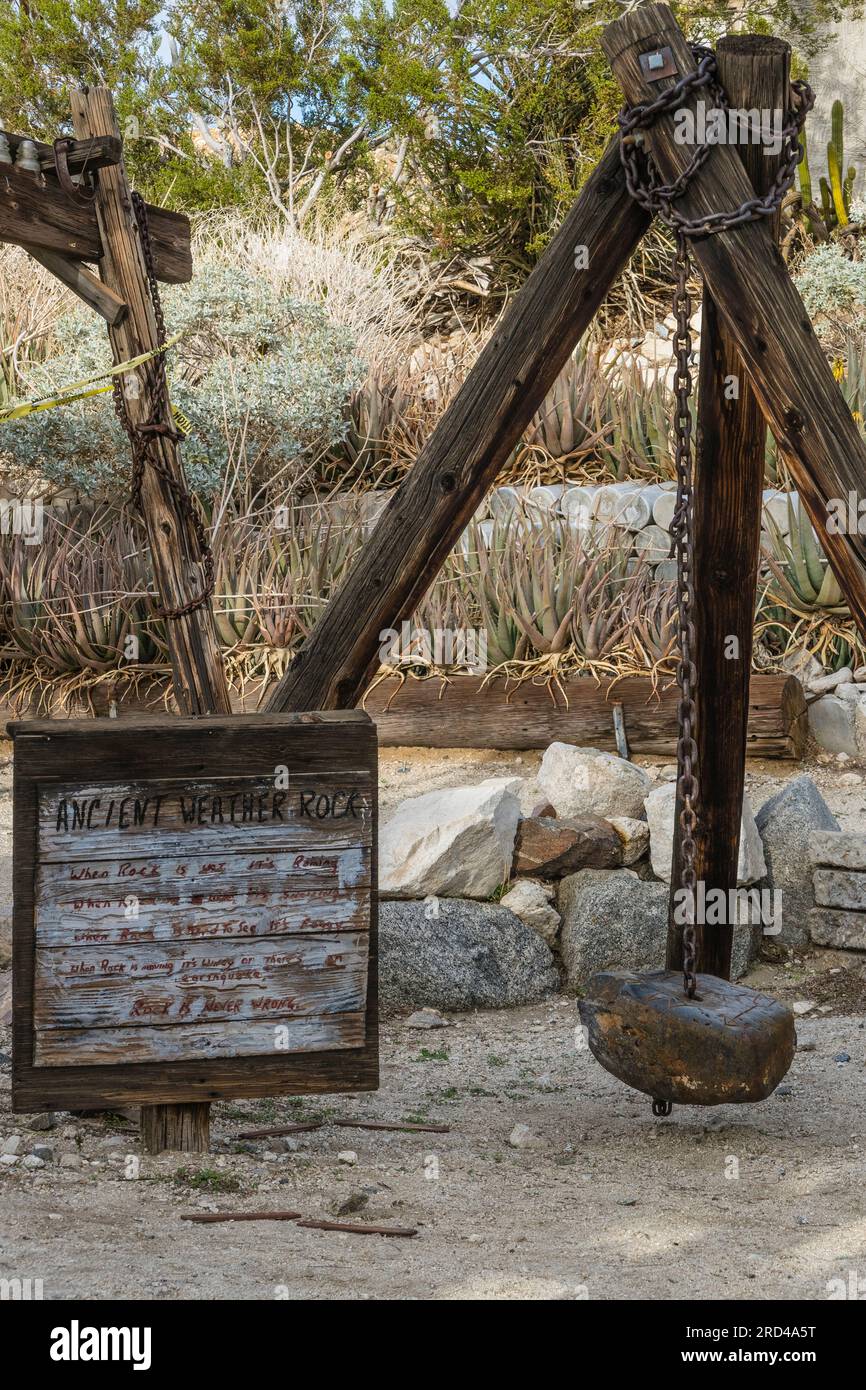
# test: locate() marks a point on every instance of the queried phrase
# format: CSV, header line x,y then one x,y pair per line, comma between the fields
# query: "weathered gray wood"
x,y
197,668
80,154
465,713
170,816
180,1128
470,444
233,943
84,283
729,478
762,310
203,1041
38,215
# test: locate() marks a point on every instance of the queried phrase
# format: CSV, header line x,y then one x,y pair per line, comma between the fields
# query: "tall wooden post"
x,y
197,669
731,436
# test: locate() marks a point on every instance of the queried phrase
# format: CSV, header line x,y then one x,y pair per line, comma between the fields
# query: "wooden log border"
x,y
459,712
240,746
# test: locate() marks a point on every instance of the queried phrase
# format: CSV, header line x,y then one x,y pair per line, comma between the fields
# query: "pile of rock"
x,y
837,710
583,854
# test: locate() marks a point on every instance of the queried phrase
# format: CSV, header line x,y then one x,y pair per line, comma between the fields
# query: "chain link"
x,y
159,424
644,185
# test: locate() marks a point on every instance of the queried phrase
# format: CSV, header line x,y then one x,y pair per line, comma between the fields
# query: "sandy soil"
x,y
739,1202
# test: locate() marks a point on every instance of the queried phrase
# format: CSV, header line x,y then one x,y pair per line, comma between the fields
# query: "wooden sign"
x,y
194,912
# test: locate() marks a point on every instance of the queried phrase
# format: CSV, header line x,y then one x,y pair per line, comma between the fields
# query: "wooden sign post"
x,y
194,913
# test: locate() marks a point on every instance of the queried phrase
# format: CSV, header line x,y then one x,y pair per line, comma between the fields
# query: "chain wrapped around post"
x,y
158,423
657,198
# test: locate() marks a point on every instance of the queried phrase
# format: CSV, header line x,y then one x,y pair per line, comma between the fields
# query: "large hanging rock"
x,y
728,1045
660,810
583,781
549,848
786,824
453,843
461,955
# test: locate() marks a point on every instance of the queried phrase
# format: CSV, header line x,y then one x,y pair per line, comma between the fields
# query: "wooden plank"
x,y
225,914
170,983
38,215
89,288
203,1041
196,661
95,153
173,816
729,480
470,444
464,713
763,312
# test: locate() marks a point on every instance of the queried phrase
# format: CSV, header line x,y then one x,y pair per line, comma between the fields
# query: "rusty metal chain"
x,y
159,424
657,198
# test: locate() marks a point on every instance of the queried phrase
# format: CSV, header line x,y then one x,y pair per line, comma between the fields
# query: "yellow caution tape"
x,y
84,389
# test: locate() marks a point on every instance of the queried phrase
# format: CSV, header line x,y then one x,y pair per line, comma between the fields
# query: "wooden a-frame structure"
x,y
754,321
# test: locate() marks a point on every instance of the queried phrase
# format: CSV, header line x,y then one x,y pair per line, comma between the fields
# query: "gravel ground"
x,y
604,1201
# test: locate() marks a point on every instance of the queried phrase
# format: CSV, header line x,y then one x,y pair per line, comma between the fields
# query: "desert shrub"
x,y
262,377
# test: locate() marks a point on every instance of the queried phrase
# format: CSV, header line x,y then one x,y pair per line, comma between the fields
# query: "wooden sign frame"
x,y
51,755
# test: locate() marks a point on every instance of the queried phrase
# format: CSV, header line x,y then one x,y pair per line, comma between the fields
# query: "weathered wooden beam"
x,y
731,437
89,288
197,669
465,713
470,444
80,154
38,215
761,308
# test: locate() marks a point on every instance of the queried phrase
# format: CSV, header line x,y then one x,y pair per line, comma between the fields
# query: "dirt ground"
x,y
603,1202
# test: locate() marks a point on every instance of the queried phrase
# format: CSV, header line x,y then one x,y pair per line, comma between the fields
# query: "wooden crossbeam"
x,y
37,214
470,444
80,154
760,306
89,288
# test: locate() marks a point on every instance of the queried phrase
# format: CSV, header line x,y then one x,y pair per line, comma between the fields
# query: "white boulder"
x,y
660,808
455,843
584,781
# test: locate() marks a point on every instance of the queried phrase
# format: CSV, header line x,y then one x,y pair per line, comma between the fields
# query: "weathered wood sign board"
x,y
194,908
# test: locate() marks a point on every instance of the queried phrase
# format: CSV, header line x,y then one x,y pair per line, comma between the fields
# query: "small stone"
x,y
635,837
837,849
824,684
841,1057
43,1151
530,901
71,1161
832,725
427,1018
803,1006
807,1045
455,843
860,674
521,1137
113,1143
840,888
13,1145
46,1120
9,1160
348,1157
356,1201
31,1161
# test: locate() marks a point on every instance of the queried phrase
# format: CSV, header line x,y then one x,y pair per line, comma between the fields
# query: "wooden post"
x,y
469,445
197,669
731,437
760,306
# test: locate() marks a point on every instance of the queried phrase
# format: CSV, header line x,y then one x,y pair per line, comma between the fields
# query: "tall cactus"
x,y
836,189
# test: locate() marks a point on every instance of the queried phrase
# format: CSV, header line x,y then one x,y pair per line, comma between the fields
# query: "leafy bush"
x,y
262,377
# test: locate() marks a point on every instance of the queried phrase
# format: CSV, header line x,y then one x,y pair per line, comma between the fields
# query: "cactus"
x,y
836,189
